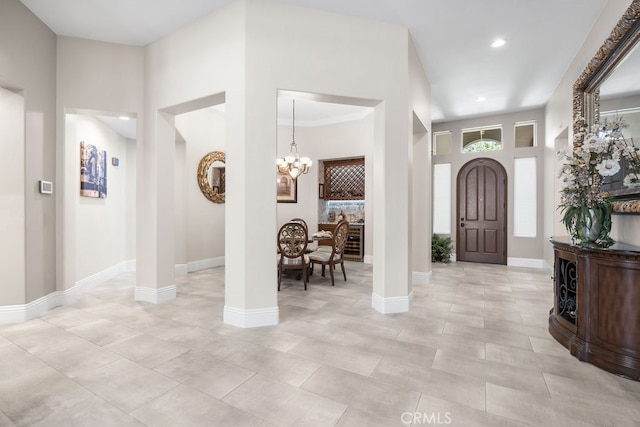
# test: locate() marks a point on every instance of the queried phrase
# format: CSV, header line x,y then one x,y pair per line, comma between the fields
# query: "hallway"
x,y
474,350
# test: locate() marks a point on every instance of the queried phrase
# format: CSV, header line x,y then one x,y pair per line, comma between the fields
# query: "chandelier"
x,y
292,164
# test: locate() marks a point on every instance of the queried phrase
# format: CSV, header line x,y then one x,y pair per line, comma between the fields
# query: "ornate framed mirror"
x,y
609,86
212,177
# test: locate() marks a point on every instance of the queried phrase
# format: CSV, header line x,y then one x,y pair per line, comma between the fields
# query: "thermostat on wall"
x,y
46,187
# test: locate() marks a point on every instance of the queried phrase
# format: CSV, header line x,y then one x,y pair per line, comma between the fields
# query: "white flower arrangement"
x,y
598,156
632,180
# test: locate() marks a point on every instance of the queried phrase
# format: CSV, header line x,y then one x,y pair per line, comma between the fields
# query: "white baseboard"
x,y
525,262
421,277
368,259
22,312
251,318
155,295
391,305
89,282
204,264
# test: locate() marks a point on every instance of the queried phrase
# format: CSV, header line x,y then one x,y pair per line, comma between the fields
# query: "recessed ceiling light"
x,y
123,118
481,99
498,42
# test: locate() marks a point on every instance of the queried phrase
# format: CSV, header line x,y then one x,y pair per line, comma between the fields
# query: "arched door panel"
x,y
482,212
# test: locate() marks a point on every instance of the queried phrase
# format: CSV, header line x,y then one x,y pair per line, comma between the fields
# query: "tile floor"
x,y
473,351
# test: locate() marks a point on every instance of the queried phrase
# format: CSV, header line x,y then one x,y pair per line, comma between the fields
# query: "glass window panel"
x,y
484,139
525,134
441,143
442,198
524,197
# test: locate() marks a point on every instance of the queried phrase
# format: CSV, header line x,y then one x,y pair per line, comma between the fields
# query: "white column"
x,y
391,264
250,235
155,223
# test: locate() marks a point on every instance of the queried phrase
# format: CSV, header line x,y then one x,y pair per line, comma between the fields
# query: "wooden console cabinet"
x,y
596,310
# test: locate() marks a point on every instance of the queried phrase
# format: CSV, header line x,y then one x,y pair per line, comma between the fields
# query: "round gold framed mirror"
x,y
212,177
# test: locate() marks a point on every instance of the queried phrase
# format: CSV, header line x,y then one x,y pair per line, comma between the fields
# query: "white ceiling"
x,y
125,127
453,39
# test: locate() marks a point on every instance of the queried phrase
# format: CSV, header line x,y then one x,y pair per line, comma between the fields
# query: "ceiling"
x,y
452,37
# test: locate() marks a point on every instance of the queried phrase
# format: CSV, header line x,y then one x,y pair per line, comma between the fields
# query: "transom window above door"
x,y
481,139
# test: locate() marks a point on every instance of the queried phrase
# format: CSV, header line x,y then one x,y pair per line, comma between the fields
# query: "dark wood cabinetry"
x,y
354,248
344,179
596,311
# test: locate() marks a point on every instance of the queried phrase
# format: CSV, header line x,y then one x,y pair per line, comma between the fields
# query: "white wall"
x,y
195,62
97,77
558,119
420,162
101,228
248,51
12,200
519,249
130,171
27,64
203,131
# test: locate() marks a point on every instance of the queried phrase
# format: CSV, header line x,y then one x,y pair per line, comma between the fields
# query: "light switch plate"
x,y
46,187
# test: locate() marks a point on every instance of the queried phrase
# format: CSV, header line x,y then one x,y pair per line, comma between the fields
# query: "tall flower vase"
x,y
590,225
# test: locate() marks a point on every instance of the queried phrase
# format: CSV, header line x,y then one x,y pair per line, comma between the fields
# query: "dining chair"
x,y
301,221
336,255
292,246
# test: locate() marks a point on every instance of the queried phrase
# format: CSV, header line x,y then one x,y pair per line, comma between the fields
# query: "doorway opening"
x,y
482,212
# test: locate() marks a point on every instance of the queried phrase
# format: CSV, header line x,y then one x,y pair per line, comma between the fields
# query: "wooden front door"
x,y
482,212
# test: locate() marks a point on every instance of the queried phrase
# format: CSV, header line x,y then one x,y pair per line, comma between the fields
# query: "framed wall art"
x,y
287,189
93,171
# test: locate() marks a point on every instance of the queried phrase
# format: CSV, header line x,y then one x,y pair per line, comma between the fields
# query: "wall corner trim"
x,y
392,304
251,318
155,295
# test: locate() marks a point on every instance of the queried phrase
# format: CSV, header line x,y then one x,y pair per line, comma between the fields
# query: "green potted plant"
x,y
441,249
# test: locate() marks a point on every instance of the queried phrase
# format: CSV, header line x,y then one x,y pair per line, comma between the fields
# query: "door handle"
x,y
462,224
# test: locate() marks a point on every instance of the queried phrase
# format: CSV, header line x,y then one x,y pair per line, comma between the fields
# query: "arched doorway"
x,y
482,212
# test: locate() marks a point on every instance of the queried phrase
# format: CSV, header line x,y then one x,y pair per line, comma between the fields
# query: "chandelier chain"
x,y
292,164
